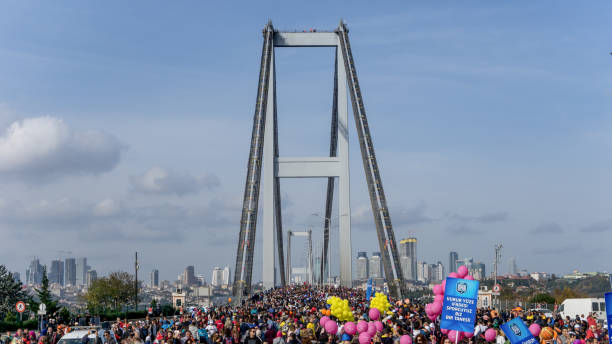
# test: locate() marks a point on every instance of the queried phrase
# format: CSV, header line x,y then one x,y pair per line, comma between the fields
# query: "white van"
x,y
574,307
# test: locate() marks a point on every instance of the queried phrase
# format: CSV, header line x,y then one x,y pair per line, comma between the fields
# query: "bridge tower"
x,y
264,160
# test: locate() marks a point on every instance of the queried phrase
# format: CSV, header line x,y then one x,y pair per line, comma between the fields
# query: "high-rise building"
x,y
57,272
81,271
92,275
408,248
476,269
70,272
406,265
437,272
226,275
34,272
512,269
189,276
217,277
17,276
362,266
452,263
154,278
423,272
376,269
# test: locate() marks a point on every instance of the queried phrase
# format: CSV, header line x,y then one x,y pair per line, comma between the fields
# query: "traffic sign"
x,y
42,307
497,288
20,306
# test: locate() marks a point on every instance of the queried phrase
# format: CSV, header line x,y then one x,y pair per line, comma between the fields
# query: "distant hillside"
x,y
595,286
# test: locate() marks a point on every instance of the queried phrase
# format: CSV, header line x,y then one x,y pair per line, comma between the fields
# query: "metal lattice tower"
x,y
264,161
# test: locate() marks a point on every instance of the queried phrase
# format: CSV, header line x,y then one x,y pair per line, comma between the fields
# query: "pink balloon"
x,y
452,336
364,338
350,328
439,299
443,284
436,308
468,334
405,339
379,326
462,271
535,329
323,320
432,317
371,329
444,331
362,326
437,289
469,277
453,275
374,313
490,335
331,327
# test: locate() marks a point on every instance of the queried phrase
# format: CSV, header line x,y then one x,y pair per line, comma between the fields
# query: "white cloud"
x,y
106,207
45,148
158,180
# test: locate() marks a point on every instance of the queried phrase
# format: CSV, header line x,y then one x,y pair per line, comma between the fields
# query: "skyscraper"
x,y
362,268
81,271
512,269
57,272
408,249
217,277
423,272
437,272
70,272
34,272
154,278
452,263
376,269
189,275
92,275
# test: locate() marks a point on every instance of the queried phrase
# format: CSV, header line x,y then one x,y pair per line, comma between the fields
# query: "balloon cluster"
x,y
366,330
340,308
380,302
434,309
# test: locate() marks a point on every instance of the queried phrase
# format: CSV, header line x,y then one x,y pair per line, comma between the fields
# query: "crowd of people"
x,y
291,315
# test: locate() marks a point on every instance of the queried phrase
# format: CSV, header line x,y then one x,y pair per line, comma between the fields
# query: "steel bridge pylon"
x,y
264,160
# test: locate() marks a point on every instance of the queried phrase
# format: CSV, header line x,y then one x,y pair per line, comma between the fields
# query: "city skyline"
x,y
480,132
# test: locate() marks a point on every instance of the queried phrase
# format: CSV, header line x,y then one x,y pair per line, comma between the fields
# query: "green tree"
x,y
542,298
44,294
110,293
11,291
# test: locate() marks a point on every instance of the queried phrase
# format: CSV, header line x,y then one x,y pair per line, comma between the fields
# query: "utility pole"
x,y
498,248
136,282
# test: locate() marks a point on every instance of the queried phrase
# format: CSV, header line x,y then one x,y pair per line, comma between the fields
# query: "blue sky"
x,y
125,126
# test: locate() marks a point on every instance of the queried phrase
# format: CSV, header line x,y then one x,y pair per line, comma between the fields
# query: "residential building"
x,y
362,266
408,248
92,275
375,264
189,276
423,272
154,278
437,272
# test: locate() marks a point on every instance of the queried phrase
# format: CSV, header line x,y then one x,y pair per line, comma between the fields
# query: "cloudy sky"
x,y
125,127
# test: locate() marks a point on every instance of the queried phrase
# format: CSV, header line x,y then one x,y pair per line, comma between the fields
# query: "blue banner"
x,y
369,290
517,332
609,314
459,306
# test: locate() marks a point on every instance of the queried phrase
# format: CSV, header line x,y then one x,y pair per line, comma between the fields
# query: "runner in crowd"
x,y
290,315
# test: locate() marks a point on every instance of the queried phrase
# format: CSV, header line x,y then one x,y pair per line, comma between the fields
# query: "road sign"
x,y
20,306
42,307
150,310
41,312
496,288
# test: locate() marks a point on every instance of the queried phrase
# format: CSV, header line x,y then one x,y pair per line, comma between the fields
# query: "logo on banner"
x,y
461,287
516,329
517,332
